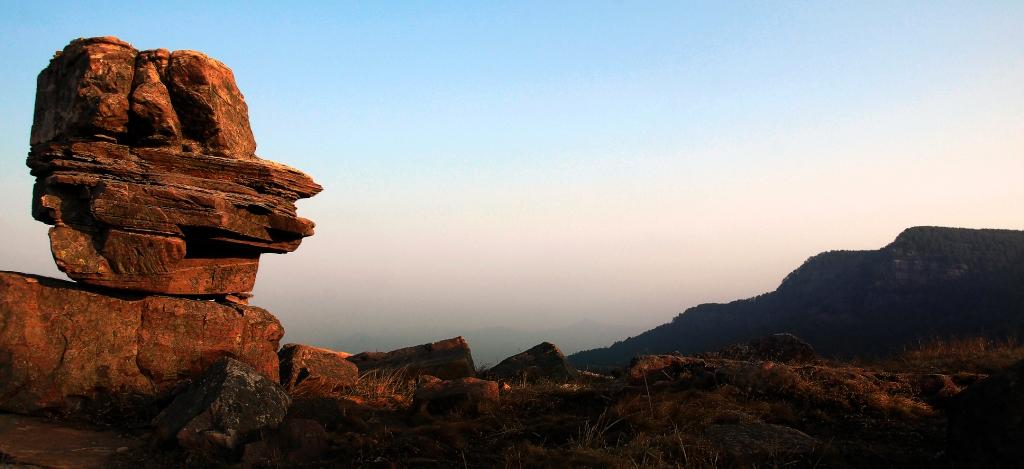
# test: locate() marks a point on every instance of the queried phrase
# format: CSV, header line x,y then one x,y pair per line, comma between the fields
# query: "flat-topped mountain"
x,y
930,282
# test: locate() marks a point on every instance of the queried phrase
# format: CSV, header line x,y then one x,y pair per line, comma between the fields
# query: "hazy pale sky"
x,y
531,164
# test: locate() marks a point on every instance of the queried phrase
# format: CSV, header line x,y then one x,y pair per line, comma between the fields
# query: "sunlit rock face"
x,y
145,165
68,348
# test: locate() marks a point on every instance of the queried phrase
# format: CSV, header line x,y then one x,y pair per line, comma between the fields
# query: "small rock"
x,y
447,359
310,371
223,409
472,395
649,369
543,361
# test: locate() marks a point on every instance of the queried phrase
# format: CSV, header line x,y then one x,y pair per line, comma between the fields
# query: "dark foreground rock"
x,y
447,359
543,361
221,411
64,346
145,166
784,348
434,396
315,372
986,421
296,441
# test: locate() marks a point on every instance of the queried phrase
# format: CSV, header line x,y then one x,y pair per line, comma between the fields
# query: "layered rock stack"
x,y
145,166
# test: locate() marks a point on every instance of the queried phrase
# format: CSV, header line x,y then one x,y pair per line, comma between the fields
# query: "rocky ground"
x,y
663,411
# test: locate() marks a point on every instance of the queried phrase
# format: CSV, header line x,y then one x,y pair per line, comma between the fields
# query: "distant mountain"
x,y
930,282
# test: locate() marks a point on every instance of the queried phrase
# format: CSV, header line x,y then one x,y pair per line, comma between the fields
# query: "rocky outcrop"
x,y
784,348
543,361
315,372
447,359
435,396
145,166
220,412
63,346
986,421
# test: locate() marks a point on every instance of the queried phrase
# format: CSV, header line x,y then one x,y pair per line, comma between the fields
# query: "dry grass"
x,y
385,388
956,355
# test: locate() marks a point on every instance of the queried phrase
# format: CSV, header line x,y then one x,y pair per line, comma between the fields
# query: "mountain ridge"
x,y
929,282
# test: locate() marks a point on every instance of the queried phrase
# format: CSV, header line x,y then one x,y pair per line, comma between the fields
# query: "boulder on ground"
x,y
145,167
311,371
220,412
986,421
63,345
435,396
647,369
543,361
783,348
447,359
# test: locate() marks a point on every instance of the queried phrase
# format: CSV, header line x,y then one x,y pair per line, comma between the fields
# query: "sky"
x,y
531,165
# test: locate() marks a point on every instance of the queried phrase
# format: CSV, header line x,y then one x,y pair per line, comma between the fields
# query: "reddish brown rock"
x,y
447,359
83,94
211,108
315,372
62,346
145,164
434,396
648,369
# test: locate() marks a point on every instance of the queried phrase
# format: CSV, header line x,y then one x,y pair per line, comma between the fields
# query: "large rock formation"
x,y
63,346
145,164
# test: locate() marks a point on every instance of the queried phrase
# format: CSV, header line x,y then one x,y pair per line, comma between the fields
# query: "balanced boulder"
x,y
447,359
63,345
145,166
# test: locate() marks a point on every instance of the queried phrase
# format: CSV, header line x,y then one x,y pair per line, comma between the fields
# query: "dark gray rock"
x,y
220,412
543,361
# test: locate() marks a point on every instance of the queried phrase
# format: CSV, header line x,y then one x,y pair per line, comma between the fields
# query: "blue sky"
x,y
532,164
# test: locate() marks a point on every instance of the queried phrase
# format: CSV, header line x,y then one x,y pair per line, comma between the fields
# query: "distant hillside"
x,y
930,282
